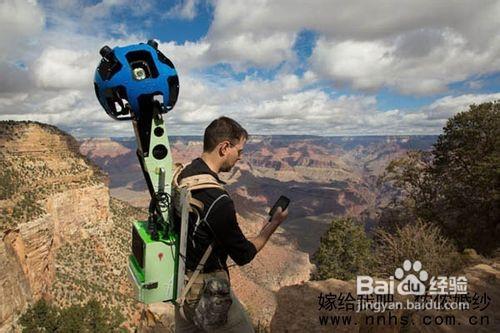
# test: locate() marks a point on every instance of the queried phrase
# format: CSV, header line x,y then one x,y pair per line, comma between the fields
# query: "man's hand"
x,y
269,228
279,216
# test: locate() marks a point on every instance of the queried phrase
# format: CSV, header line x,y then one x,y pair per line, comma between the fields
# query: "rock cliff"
x,y
297,308
49,195
65,240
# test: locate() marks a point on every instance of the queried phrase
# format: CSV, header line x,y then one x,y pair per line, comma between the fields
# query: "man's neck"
x,y
209,161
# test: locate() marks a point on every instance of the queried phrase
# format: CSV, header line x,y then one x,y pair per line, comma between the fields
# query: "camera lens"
x,y
139,73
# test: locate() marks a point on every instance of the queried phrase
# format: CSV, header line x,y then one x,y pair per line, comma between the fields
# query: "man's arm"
x,y
268,229
226,229
224,225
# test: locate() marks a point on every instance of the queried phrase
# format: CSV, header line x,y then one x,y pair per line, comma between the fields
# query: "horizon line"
x,y
273,135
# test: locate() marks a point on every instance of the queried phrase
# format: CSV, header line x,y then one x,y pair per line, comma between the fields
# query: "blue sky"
x,y
278,67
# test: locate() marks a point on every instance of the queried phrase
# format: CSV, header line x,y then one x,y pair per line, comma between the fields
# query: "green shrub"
x,y
344,251
41,317
91,317
415,241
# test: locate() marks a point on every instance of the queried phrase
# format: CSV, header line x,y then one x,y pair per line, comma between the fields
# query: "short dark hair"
x,y
222,129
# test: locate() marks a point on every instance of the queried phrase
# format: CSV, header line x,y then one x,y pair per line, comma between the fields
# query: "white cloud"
x,y
8,100
363,64
102,9
186,56
63,68
274,107
448,106
400,65
286,104
414,47
19,21
74,111
185,9
63,101
355,19
249,49
241,51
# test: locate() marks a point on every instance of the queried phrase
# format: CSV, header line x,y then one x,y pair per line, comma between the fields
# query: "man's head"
x,y
224,140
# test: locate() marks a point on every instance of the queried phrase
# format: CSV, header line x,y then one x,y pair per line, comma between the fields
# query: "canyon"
x,y
67,207
324,177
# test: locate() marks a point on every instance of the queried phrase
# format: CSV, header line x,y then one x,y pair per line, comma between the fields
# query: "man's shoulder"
x,y
189,170
196,167
210,194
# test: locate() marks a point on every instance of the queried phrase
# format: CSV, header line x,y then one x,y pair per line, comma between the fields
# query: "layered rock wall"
x,y
28,252
50,195
14,284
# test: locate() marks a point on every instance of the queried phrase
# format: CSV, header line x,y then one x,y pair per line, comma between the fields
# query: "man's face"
x,y
232,154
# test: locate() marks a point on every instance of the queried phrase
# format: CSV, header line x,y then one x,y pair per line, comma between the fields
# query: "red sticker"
x,y
160,255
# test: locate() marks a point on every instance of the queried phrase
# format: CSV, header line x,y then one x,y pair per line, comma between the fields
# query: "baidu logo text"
x,y
410,281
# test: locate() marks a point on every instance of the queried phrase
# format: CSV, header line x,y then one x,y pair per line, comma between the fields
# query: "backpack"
x,y
184,204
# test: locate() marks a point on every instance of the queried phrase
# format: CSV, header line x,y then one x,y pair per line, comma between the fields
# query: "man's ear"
x,y
223,148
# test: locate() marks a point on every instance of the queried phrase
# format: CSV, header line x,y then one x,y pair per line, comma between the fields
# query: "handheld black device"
x,y
282,202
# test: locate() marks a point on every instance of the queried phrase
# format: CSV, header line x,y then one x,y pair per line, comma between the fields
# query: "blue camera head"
x,y
130,78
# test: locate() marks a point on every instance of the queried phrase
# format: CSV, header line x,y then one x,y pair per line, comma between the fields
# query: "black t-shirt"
x,y
222,227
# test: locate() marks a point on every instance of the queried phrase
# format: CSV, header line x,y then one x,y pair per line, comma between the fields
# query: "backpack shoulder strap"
x,y
192,183
203,260
198,182
178,167
182,298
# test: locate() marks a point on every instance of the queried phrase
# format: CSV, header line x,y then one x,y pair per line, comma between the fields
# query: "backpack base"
x,y
153,265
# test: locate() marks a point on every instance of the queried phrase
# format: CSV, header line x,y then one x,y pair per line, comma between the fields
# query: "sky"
x,y
319,67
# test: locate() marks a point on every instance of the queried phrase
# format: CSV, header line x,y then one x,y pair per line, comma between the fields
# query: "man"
x,y
223,145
